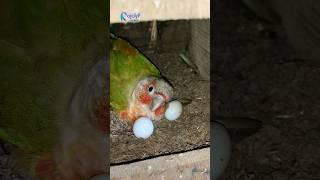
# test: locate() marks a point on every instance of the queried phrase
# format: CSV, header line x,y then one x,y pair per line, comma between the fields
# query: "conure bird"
x,y
53,87
137,88
60,132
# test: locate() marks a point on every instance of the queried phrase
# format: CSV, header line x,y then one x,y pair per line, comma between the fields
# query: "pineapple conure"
x,y
136,86
53,87
57,124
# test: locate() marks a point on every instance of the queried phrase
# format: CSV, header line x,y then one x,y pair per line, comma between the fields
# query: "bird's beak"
x,y
157,101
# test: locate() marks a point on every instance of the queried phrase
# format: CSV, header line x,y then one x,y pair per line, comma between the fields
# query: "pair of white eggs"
x,y
143,127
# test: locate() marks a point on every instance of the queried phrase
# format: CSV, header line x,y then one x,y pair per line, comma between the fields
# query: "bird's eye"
x,y
151,89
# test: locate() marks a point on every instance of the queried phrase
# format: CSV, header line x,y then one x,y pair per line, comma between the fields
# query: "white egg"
x,y
143,128
221,149
173,111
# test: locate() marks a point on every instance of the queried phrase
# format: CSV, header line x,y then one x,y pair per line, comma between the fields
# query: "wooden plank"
x,y
173,36
189,165
200,46
160,9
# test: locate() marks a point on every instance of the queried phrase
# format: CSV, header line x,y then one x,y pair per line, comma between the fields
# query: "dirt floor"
x,y
190,131
8,169
257,74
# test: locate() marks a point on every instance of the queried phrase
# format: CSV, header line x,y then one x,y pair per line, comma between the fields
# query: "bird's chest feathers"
x,y
137,109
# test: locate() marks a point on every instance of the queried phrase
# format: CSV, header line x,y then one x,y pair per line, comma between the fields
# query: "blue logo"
x,y
129,17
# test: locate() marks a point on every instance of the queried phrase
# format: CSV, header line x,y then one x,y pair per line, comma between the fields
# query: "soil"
x,y
8,167
189,131
257,74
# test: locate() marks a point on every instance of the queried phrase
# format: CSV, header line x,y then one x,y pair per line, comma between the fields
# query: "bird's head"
x,y
149,98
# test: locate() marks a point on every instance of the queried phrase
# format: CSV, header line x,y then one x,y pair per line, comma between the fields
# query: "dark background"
x,y
256,73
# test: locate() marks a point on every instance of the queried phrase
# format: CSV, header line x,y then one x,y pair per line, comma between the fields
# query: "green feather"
x,y
127,67
44,53
15,138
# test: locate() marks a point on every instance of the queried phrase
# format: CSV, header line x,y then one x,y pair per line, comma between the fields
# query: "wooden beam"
x,y
150,10
188,165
